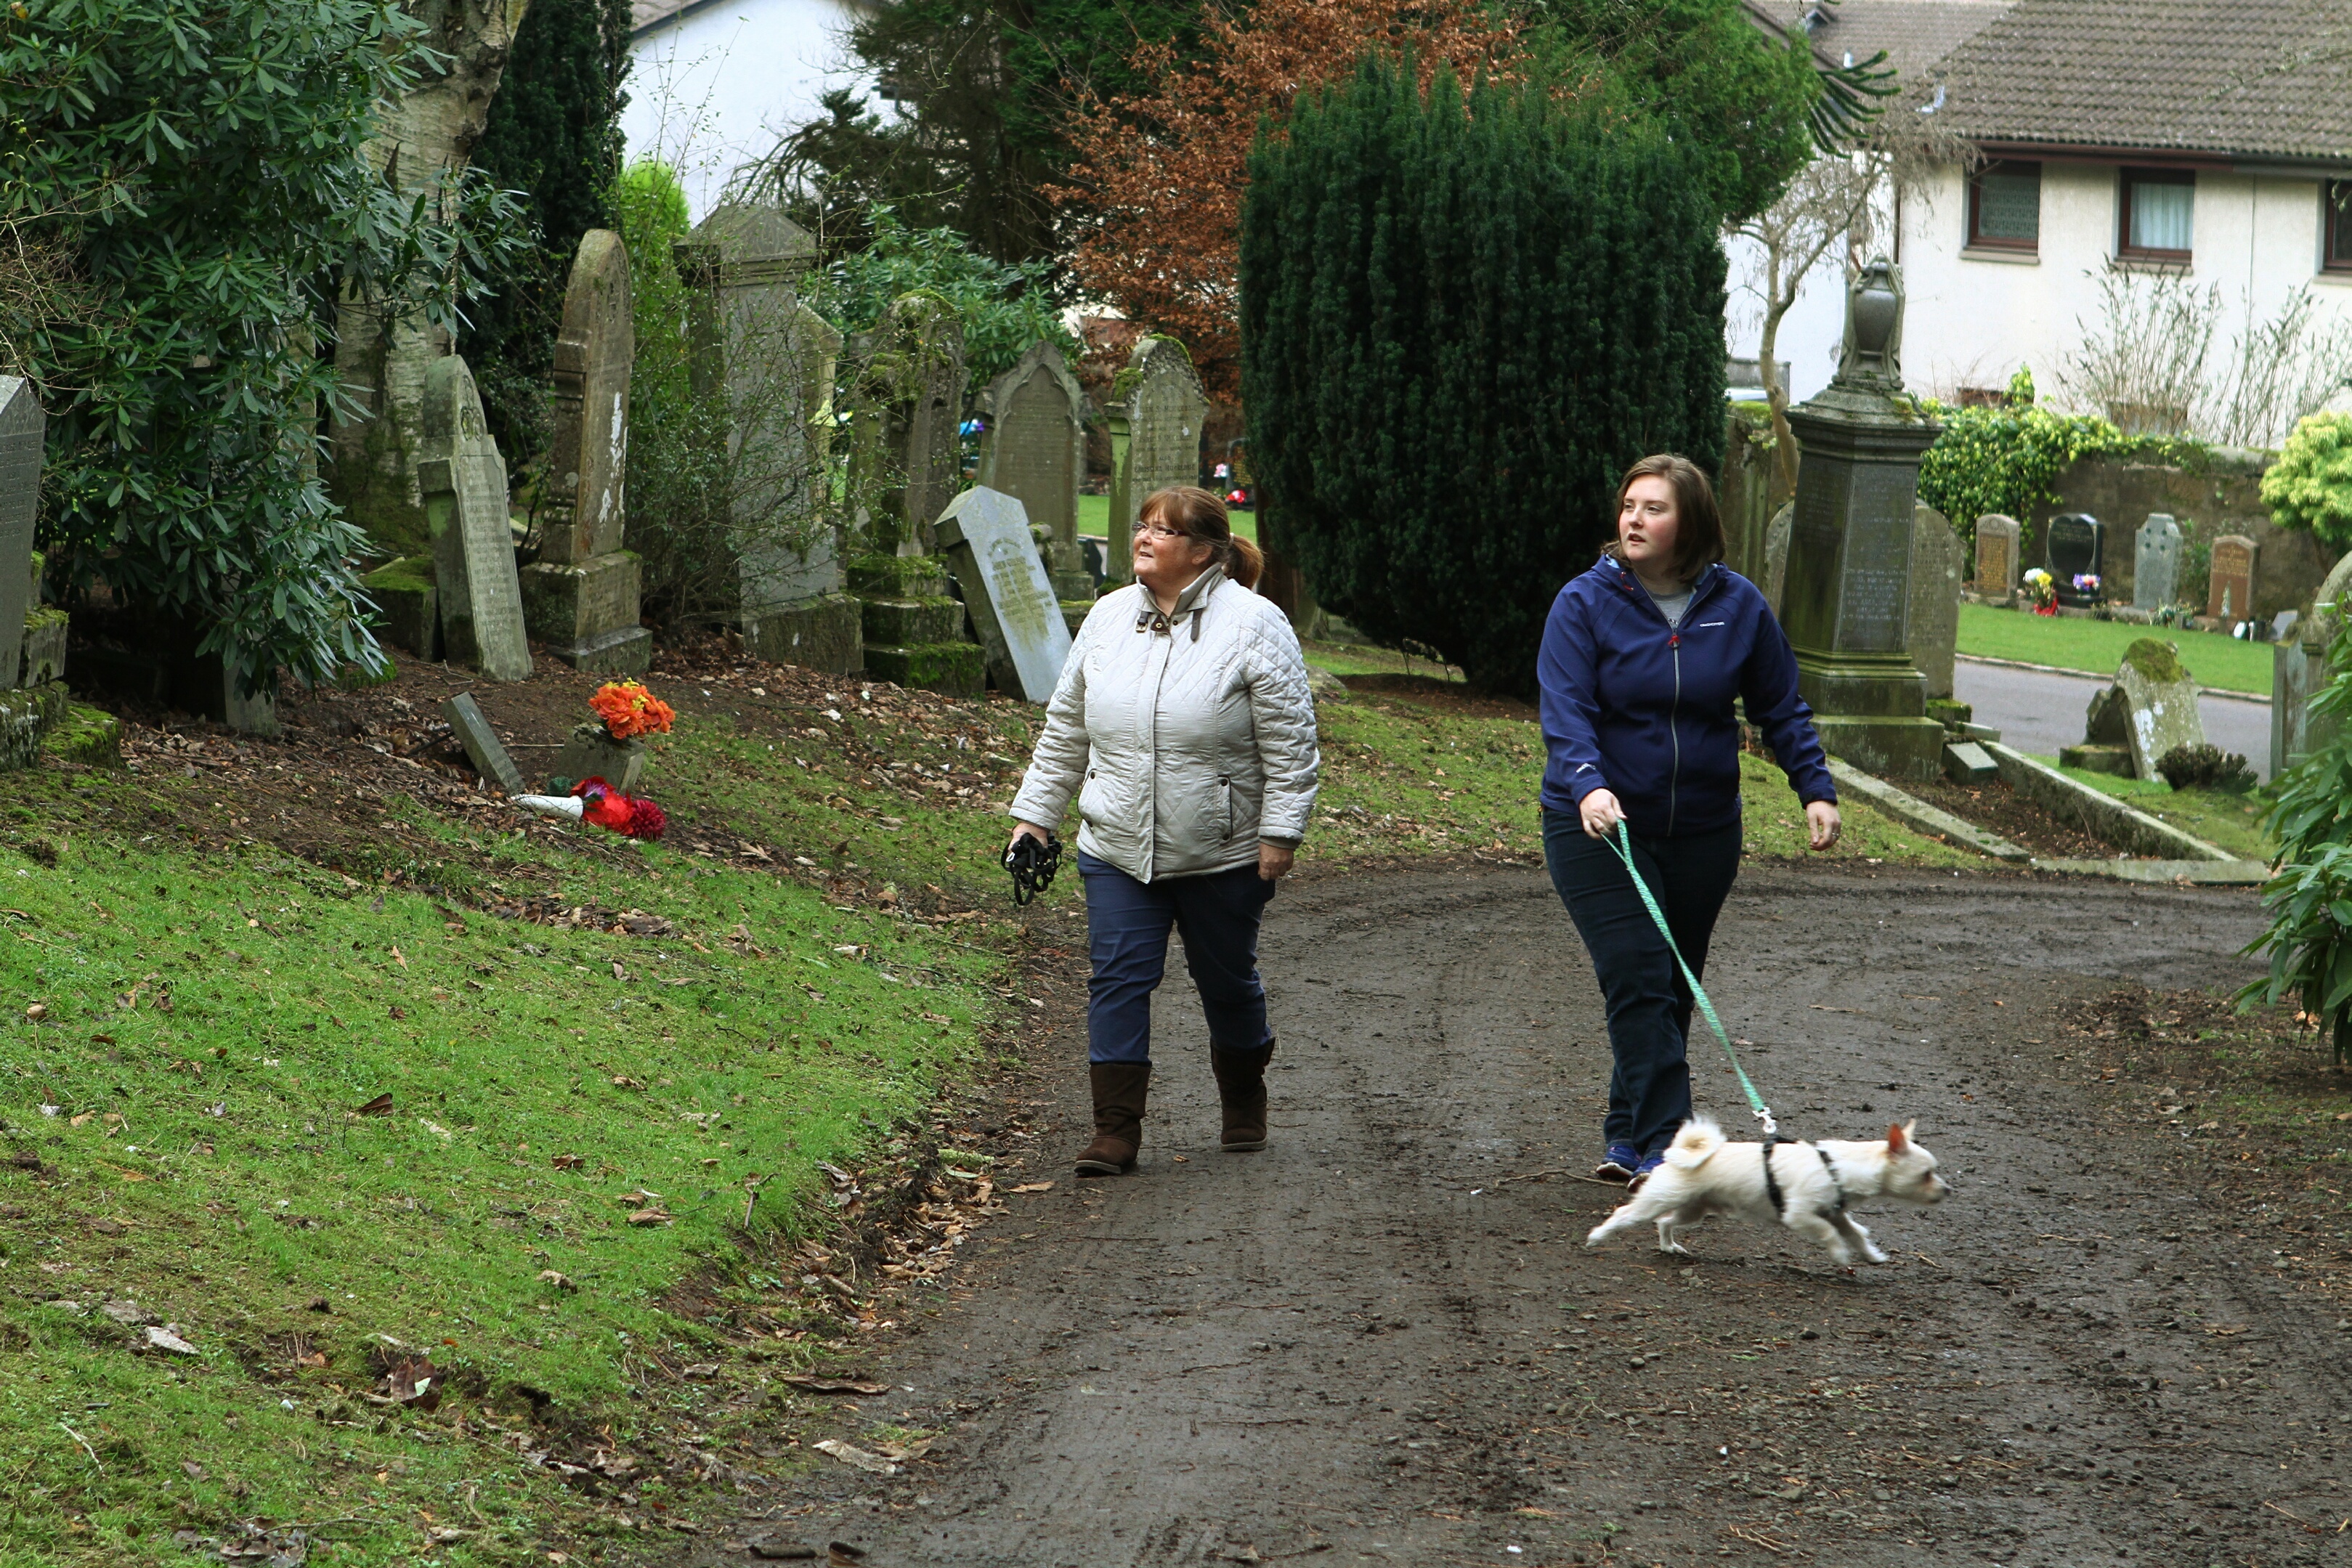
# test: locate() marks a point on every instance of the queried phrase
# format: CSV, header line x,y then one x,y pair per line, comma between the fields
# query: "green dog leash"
x,y
1624,846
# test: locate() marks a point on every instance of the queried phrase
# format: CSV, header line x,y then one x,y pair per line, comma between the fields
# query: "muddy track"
x,y
1380,1341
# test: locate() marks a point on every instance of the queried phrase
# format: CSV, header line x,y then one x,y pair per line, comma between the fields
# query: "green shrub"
x,y
2005,458
2310,898
1002,308
1461,319
2310,486
2206,767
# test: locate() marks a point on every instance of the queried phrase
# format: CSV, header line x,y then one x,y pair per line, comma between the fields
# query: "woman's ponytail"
x,y
1245,563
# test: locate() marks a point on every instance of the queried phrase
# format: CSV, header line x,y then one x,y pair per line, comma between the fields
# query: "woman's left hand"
x,y
1822,819
1274,861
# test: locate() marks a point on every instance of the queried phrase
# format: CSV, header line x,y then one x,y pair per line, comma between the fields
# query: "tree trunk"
x,y
1776,305
382,361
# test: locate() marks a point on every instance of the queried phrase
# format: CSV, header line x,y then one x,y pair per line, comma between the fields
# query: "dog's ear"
x,y
1898,1137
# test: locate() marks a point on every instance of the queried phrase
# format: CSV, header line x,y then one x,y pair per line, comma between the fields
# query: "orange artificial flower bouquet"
x,y
629,710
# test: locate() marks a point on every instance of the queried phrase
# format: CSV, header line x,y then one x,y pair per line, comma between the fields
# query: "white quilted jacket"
x,y
1186,741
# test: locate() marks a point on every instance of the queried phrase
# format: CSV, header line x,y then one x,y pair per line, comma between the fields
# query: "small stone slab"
x,y
592,753
1966,762
985,534
473,730
2159,704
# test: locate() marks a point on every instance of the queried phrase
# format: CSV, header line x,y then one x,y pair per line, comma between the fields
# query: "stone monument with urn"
x,y
1846,601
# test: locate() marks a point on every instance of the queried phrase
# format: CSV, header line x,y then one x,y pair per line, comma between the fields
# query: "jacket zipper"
x,y
1674,779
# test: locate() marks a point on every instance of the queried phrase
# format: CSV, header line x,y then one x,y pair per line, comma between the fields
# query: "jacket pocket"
x,y
1224,806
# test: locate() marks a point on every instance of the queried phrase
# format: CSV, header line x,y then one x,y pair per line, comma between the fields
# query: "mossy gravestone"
x,y
1157,414
464,482
1034,448
2159,704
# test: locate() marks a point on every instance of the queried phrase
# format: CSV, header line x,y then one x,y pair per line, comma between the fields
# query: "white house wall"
x,y
1811,333
1974,318
717,86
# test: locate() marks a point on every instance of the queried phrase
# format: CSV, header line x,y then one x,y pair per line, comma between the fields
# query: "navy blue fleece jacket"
x,y
1642,709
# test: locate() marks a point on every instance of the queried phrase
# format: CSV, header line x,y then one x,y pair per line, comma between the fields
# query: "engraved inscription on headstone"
x,y
1878,604
2231,595
2156,562
464,481
21,425
985,535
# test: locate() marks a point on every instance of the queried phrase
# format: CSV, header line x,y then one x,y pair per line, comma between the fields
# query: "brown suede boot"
x,y
1241,1088
1119,1117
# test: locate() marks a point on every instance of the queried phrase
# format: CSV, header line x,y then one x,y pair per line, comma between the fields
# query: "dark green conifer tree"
x,y
1462,317
553,137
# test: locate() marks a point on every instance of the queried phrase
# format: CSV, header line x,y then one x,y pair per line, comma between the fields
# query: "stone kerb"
x,y
464,482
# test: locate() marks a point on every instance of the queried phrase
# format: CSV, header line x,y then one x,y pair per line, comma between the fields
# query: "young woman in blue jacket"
x,y
1641,657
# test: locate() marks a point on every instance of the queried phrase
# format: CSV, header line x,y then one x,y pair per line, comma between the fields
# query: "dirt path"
x,y
1378,1342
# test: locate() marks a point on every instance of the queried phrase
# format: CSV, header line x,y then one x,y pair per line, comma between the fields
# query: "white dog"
x,y
1805,1187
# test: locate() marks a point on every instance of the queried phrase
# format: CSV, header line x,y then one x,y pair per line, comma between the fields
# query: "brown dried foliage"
x,y
1156,184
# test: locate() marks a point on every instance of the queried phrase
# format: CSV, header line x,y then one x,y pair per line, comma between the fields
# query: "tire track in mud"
x,y
1381,1341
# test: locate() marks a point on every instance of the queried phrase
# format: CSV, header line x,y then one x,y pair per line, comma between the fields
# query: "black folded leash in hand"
x,y
1032,865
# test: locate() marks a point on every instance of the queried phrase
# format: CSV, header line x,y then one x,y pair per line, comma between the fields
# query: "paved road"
x,y
1378,1342
2038,714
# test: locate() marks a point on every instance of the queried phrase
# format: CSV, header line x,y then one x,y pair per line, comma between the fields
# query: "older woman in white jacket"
x,y
1183,726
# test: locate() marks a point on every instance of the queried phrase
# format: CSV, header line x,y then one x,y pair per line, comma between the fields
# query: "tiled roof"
x,y
1916,33
643,13
2252,78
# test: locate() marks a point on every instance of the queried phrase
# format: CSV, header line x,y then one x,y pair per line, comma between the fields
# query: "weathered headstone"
x,y
986,535
1156,415
581,597
2156,562
2077,549
464,481
2159,704
472,729
2300,670
907,461
2231,598
1846,600
21,426
1776,556
1034,448
1935,620
1996,556
773,357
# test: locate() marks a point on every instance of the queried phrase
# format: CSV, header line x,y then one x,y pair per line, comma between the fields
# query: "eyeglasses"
x,y
1159,531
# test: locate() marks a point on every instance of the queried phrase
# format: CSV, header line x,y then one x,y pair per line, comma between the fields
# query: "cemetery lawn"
x,y
1093,517
2096,647
2233,822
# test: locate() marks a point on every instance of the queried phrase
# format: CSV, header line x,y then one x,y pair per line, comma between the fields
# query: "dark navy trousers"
x,y
1126,929
1649,1006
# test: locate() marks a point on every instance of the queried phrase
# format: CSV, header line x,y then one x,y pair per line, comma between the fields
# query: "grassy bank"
x,y
2235,823
2097,647
1093,517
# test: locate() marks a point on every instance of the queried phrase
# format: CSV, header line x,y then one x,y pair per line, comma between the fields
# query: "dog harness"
x,y
1772,1183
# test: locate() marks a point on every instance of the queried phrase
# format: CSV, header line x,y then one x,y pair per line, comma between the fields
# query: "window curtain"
x,y
2161,215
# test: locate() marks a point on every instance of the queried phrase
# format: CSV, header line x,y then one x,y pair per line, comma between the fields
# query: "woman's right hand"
x,y
1602,814
1024,830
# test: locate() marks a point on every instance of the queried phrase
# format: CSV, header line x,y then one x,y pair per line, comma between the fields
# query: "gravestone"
x,y
2078,548
1846,599
1935,620
464,482
986,535
908,459
1156,415
2231,597
21,427
1997,556
1776,556
1034,448
581,597
472,729
2300,671
2158,700
2156,562
757,344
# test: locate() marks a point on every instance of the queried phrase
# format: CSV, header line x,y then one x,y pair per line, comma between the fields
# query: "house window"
x,y
2005,206
2336,223
2159,208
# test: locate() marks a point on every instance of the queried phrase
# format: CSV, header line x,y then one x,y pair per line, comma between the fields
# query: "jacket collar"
x,y
1710,576
1188,603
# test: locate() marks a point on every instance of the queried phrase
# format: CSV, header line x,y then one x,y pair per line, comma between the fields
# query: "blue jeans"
x,y
1649,1006
1127,930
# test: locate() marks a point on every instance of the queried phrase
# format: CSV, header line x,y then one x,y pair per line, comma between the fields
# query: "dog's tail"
x,y
1694,1145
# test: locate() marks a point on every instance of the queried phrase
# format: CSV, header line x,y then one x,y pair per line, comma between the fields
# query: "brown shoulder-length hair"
x,y
1198,514
1698,526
